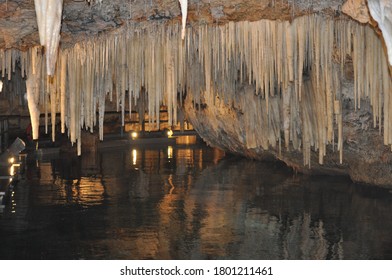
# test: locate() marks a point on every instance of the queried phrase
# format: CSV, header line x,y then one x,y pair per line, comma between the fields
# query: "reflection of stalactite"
x,y
281,76
305,239
170,180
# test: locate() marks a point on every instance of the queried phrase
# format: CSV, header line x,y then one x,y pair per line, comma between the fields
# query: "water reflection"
x,y
147,203
134,157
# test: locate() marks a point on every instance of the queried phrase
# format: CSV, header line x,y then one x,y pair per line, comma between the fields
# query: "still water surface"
x,y
189,202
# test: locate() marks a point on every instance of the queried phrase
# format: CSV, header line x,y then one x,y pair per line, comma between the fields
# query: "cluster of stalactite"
x,y
138,60
296,71
298,65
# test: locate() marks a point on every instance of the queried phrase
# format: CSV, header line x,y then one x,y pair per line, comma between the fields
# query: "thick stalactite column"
x,y
184,11
49,23
381,11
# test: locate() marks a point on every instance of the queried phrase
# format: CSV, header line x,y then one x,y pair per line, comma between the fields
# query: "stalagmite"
x,y
49,22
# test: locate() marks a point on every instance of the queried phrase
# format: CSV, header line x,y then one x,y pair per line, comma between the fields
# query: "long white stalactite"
x,y
293,72
184,12
33,87
49,23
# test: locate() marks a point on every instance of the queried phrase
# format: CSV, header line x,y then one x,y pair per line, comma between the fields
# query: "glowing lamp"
x,y
12,170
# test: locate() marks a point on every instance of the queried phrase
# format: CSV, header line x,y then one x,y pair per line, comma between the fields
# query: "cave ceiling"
x,y
81,19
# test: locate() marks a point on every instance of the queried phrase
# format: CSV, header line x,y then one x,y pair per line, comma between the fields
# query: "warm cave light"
x,y
11,160
134,135
169,133
1,86
170,152
12,170
134,157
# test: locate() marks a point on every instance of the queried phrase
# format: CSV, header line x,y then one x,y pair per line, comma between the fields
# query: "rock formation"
x,y
295,80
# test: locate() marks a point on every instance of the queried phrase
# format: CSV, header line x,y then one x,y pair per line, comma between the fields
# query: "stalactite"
x,y
381,11
49,22
288,72
2,63
9,64
184,12
298,47
53,106
33,84
63,79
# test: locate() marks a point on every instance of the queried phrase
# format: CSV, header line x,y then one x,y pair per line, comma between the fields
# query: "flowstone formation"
x,y
313,89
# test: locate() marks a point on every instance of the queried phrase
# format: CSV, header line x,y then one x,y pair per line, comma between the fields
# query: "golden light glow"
x,y
134,157
134,135
1,85
170,152
12,170
89,191
11,160
186,140
169,133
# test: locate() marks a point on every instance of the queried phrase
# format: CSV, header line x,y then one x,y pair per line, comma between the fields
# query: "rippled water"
x,y
173,202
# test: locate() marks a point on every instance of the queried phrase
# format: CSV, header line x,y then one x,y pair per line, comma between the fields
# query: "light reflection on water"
x,y
176,202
